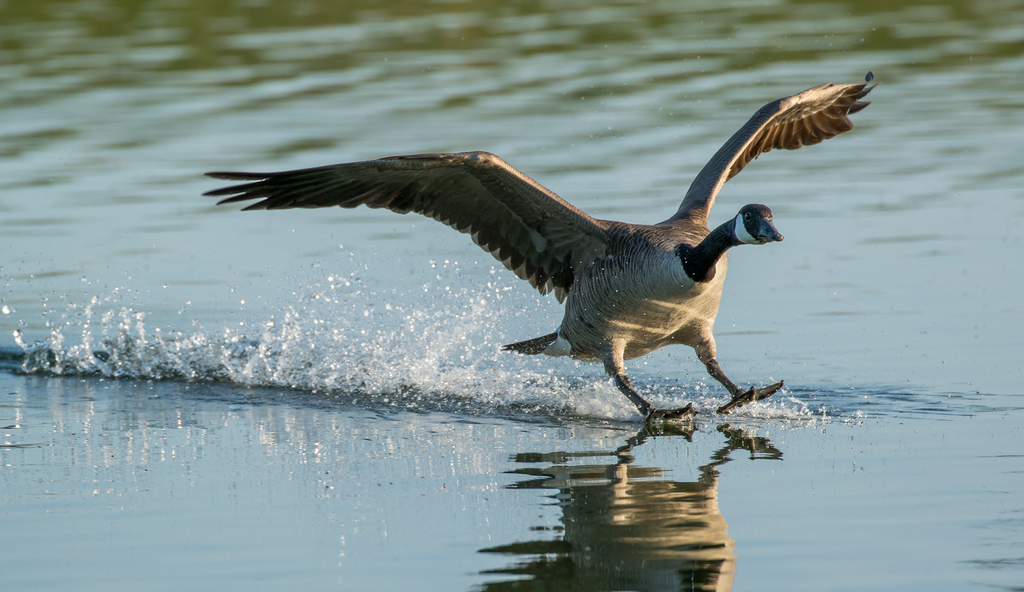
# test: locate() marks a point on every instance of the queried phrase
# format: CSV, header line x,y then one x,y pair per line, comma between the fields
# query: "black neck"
x,y
699,262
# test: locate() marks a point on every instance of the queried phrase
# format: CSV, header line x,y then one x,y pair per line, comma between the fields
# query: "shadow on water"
x,y
626,526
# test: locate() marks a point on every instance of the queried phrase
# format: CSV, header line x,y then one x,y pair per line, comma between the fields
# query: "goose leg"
x,y
617,369
624,385
740,397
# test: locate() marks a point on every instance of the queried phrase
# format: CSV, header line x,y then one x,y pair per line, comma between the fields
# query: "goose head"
x,y
753,226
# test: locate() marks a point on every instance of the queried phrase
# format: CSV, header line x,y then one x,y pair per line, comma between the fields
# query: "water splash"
x,y
363,347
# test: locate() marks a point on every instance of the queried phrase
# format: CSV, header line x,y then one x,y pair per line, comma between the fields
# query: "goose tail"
x,y
532,347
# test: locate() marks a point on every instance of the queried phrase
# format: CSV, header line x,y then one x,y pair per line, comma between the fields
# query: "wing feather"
x,y
804,119
529,229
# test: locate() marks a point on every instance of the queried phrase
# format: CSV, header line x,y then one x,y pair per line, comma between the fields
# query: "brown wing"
x,y
532,231
810,117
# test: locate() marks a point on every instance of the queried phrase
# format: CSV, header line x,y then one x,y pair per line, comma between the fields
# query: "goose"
x,y
628,289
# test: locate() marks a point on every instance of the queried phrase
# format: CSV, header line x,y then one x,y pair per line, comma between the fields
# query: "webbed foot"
x,y
660,415
754,394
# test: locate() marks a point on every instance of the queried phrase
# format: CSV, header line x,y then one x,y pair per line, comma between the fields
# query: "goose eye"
x,y
746,216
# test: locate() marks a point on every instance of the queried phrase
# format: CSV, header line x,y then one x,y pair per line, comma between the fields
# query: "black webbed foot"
x,y
754,394
662,415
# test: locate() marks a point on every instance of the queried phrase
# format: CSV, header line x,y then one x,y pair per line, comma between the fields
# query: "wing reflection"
x,y
626,526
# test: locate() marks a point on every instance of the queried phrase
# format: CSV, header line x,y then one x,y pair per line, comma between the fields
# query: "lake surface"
x,y
317,398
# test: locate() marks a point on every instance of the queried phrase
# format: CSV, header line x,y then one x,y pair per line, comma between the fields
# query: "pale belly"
x,y
640,322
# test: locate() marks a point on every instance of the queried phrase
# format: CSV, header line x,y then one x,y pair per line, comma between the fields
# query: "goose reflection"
x,y
625,526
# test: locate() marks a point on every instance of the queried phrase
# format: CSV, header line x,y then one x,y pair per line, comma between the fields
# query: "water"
x,y
246,354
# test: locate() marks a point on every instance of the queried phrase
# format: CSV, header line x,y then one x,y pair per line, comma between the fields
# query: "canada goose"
x,y
630,289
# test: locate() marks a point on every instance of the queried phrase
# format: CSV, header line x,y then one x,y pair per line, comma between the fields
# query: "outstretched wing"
x,y
532,231
810,117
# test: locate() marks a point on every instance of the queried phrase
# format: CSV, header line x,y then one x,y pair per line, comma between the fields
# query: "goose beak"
x,y
768,234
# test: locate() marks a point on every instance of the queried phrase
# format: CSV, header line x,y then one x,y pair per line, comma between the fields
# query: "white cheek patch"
x,y
741,233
